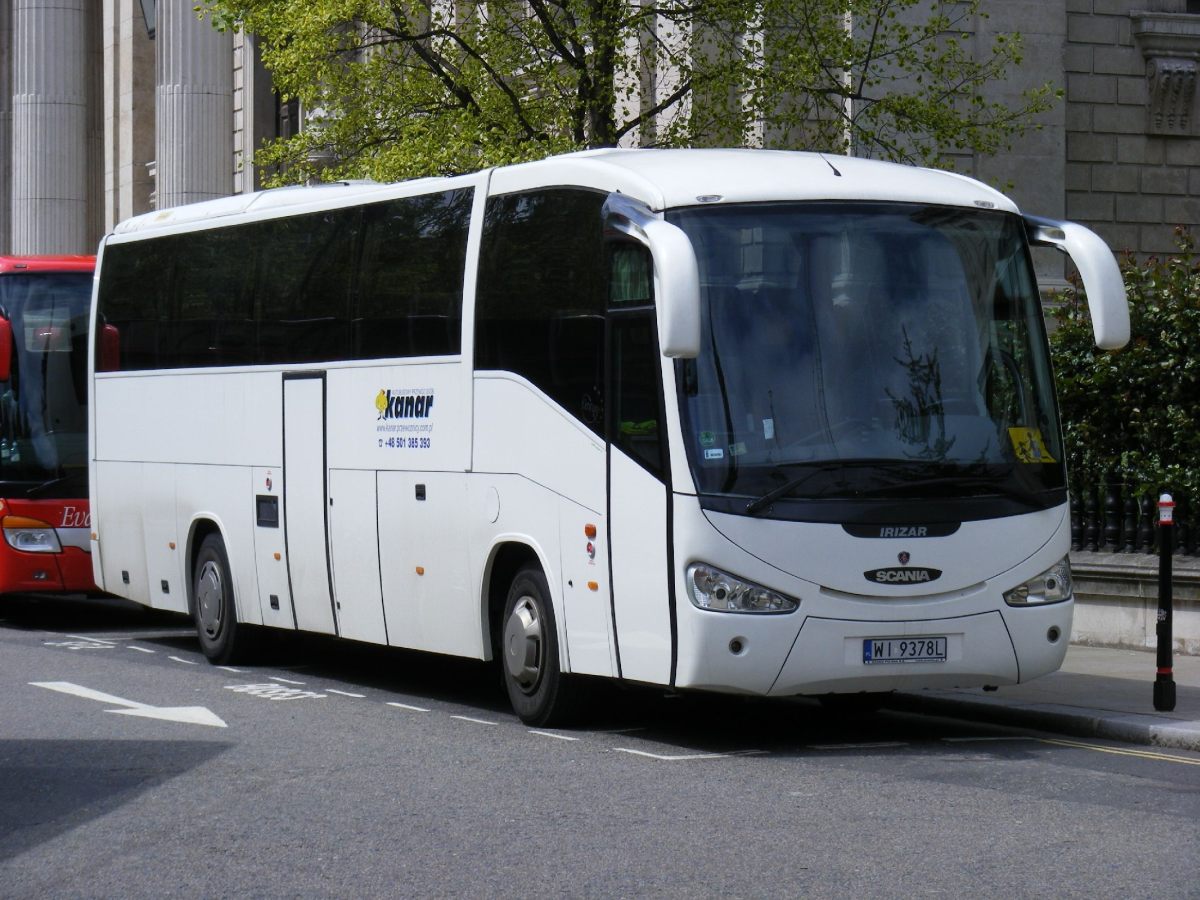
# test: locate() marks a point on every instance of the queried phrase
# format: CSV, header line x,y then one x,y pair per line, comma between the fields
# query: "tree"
x,y
1132,416
401,88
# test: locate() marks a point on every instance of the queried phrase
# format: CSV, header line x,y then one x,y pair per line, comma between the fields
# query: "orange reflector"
x,y
592,586
24,522
589,530
277,557
171,544
95,537
420,570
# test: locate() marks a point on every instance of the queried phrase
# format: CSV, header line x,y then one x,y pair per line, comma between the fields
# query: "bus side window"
x,y
635,362
635,393
409,300
540,301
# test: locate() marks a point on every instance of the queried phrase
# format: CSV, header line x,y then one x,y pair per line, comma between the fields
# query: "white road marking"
x,y
551,734
476,721
193,715
343,693
232,669
82,637
871,746
677,758
142,649
274,692
81,644
406,706
623,730
190,662
284,680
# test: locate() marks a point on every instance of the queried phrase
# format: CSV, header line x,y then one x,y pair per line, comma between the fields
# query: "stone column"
x,y
50,127
129,91
5,127
194,130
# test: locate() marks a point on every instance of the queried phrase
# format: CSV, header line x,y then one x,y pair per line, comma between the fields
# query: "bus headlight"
x,y
1052,586
716,590
30,535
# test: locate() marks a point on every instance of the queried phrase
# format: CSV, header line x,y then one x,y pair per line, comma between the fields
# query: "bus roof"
x,y
666,179
12,264
661,178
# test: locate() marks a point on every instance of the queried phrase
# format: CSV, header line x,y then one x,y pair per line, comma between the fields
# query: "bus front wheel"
x,y
221,638
539,692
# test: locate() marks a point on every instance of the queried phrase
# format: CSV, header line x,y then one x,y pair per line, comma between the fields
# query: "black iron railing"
x,y
1119,517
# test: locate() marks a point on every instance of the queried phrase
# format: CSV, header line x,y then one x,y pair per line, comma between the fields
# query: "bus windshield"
x,y
43,404
867,350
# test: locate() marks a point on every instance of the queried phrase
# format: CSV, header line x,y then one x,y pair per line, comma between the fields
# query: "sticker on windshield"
x,y
737,449
714,453
707,439
1029,446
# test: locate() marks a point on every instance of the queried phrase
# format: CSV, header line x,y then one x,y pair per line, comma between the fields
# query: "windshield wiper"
x,y
815,467
51,483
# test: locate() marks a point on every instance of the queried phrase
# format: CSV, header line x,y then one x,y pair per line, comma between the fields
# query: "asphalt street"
x,y
130,767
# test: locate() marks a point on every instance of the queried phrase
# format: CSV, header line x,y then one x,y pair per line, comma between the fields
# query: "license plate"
x,y
904,650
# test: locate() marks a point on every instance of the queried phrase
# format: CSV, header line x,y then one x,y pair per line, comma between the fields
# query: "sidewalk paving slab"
x,y
1099,692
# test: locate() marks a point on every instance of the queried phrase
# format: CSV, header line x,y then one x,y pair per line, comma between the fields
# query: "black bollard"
x,y
1164,680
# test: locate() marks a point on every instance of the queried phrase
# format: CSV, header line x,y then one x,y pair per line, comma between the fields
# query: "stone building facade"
x,y
1132,163
110,108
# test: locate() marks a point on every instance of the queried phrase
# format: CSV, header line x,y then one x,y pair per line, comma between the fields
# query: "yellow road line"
x,y
1143,754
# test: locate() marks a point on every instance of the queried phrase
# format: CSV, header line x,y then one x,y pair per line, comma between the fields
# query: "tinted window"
x,y
379,281
136,278
305,271
410,295
541,295
207,314
635,392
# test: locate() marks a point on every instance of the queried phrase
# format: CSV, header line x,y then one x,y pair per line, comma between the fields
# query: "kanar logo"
x,y
409,404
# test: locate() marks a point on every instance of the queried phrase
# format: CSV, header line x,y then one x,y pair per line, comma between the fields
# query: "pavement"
x,y
1099,692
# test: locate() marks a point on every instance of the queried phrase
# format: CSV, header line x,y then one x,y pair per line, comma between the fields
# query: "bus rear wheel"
x,y
222,639
538,690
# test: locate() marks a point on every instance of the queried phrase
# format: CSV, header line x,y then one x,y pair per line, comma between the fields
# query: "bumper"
x,y
67,572
815,654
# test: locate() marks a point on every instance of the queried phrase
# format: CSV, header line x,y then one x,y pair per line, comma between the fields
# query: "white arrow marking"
x,y
194,715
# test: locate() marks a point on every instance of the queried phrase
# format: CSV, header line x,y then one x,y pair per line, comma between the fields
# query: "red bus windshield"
x,y
43,403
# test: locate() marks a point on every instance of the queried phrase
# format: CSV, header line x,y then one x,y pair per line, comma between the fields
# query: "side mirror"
x,y
109,349
676,273
6,349
1102,281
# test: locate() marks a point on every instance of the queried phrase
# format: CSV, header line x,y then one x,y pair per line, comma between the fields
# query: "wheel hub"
x,y
523,640
210,595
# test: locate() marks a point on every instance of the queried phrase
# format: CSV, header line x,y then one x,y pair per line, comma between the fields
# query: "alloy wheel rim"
x,y
210,596
523,643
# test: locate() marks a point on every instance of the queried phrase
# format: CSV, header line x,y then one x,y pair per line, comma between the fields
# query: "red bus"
x,y
44,513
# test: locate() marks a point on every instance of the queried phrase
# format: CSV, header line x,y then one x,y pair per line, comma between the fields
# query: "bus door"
x,y
638,498
305,501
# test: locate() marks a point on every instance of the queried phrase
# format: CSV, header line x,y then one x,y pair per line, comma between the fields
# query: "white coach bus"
x,y
746,421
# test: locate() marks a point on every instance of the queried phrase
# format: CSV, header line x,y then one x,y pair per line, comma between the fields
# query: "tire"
x,y
539,692
222,638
